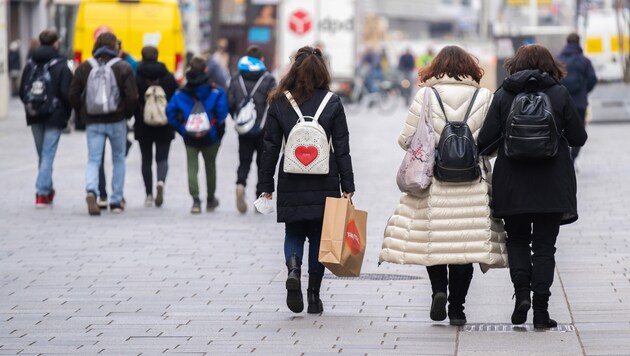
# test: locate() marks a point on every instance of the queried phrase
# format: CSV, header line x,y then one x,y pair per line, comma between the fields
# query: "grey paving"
x,y
152,280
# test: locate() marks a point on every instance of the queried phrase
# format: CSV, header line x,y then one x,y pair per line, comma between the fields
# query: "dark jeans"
x,y
161,160
458,281
295,236
532,272
247,146
576,150
102,184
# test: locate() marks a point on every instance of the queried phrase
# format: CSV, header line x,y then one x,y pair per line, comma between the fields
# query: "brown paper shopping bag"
x,y
343,240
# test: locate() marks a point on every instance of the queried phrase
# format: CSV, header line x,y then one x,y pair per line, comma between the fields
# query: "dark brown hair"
x,y
255,51
149,54
454,62
106,39
307,73
198,64
573,38
48,38
535,56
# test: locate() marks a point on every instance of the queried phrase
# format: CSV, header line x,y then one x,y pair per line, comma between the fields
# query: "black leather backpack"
x,y
530,128
456,156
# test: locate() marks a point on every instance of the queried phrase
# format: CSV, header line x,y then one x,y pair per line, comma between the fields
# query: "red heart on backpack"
x,y
306,154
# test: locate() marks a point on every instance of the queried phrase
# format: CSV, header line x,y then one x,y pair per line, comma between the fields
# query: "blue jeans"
x,y
96,135
295,236
46,142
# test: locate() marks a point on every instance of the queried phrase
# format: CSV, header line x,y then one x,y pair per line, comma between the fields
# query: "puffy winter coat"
x,y
301,197
448,223
537,186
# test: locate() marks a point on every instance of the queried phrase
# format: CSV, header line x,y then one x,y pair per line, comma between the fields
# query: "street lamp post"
x,y
4,65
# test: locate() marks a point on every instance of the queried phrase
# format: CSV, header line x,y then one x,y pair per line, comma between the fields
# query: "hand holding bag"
x,y
342,245
416,170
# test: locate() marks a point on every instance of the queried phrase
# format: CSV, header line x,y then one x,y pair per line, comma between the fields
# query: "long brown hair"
x,y
454,62
308,72
535,56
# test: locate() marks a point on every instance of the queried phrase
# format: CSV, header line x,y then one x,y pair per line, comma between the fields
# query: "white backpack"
x,y
102,95
307,149
155,106
245,119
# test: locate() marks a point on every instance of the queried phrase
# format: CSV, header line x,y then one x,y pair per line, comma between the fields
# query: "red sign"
x,y
300,22
352,238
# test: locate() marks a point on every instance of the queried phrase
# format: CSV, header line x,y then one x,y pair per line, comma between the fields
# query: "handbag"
x,y
343,239
416,170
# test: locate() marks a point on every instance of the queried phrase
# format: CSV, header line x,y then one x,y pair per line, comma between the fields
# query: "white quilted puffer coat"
x,y
448,223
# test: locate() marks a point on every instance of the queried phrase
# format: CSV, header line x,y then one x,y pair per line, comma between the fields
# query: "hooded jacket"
x,y
447,223
573,52
213,100
534,186
126,84
236,95
151,73
60,77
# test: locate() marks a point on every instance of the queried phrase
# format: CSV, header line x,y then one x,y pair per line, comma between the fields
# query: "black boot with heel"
x,y
315,305
295,299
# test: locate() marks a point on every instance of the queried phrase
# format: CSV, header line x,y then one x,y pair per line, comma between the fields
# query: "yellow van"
x,y
136,23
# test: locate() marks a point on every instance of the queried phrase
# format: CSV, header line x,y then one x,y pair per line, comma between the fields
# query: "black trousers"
x,y
161,159
527,234
247,146
457,279
576,150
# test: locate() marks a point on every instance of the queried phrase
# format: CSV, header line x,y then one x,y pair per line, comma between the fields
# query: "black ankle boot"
x,y
438,306
521,306
295,300
315,305
456,315
542,320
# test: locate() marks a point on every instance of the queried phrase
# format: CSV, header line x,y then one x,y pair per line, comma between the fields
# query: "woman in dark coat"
x,y
301,197
535,196
151,72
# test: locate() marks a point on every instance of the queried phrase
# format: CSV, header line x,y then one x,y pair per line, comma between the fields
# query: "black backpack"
x,y
39,92
456,156
530,128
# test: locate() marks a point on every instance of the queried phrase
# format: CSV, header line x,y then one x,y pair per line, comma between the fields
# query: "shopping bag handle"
x,y
349,197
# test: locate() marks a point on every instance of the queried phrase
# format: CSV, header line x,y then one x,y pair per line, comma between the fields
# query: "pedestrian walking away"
x,y
247,100
198,112
580,79
44,90
531,124
156,86
104,94
301,197
448,225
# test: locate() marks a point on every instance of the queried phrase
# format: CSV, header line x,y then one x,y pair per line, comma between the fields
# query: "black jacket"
x,y
235,95
60,76
301,197
150,73
537,186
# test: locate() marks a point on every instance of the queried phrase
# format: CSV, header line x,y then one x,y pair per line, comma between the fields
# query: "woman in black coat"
x,y
533,196
151,72
301,197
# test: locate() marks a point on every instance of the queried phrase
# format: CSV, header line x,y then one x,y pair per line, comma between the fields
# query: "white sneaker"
x,y
241,205
148,201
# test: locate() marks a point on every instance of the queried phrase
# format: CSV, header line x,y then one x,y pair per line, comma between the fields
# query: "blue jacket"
x,y
181,104
570,51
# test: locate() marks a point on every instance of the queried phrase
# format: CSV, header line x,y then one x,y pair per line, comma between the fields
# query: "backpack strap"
x,y
112,61
322,106
93,62
242,82
472,101
439,99
294,104
53,62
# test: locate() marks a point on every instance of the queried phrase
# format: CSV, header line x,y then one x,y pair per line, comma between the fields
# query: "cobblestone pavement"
x,y
160,280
